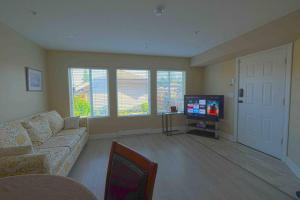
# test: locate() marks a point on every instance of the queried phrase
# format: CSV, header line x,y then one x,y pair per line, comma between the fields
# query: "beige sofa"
x,y
21,154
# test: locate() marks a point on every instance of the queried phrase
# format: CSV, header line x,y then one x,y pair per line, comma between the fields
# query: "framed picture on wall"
x,y
34,80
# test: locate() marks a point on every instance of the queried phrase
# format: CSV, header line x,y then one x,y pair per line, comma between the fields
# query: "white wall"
x,y
16,53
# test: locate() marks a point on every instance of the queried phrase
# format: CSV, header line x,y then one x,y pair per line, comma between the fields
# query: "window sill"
x,y
179,113
99,117
141,115
94,117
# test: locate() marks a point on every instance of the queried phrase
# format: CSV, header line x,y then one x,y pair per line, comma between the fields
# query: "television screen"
x,y
210,107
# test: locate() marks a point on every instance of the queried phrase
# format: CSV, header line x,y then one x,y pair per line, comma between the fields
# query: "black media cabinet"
x,y
210,128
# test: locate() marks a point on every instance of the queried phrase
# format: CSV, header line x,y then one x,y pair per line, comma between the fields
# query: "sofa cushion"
x,y
71,123
55,120
38,129
14,139
56,157
61,141
80,132
23,164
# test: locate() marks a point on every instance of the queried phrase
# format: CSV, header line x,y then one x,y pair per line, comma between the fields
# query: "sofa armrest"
x,y
83,122
24,164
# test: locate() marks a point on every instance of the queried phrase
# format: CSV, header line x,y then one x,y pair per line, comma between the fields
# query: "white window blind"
x,y
88,92
133,87
170,90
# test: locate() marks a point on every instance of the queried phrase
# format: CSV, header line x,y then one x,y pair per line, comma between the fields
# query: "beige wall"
x,y
294,128
17,52
59,61
217,80
276,33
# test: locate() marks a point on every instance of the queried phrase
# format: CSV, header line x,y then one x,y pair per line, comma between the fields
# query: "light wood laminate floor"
x,y
191,168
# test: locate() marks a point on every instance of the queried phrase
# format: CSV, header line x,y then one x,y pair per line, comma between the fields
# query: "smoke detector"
x,y
196,33
33,12
159,11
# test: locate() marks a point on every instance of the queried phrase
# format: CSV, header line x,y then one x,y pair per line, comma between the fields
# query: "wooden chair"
x,y
130,176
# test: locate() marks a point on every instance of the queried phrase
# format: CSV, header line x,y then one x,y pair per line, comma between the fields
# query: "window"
x,y
133,88
170,90
88,92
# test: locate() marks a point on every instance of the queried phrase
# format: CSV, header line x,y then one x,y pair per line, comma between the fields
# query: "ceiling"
x,y
187,27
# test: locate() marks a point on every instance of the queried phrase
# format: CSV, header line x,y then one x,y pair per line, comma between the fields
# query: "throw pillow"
x,y
72,122
14,139
56,122
38,129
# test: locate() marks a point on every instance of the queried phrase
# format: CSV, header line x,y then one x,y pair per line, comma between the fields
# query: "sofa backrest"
x,y
14,138
56,122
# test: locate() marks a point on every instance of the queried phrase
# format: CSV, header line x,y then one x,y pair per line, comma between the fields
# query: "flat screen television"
x,y
209,107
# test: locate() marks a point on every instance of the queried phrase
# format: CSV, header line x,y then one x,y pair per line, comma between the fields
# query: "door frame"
x,y
288,80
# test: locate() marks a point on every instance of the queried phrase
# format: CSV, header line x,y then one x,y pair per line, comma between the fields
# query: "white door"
x,y
261,108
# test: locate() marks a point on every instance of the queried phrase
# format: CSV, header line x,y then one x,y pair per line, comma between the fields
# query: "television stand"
x,y
202,127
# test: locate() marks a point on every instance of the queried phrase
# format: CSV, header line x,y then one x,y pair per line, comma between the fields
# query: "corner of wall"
x,y
19,52
293,166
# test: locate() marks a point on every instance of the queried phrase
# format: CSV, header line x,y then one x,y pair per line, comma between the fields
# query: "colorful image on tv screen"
x,y
213,108
193,107
197,106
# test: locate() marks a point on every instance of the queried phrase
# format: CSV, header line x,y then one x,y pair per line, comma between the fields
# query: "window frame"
x,y
184,87
71,99
149,92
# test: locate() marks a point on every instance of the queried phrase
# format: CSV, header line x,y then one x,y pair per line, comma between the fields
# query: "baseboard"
x,y
226,136
134,132
124,133
131,132
102,136
293,166
147,131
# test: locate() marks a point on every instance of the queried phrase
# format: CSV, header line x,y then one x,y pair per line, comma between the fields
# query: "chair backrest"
x,y
129,175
